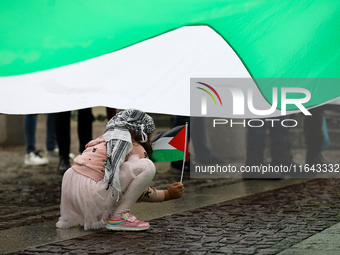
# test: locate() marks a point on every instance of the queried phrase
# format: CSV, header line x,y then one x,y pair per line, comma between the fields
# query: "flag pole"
x,y
185,149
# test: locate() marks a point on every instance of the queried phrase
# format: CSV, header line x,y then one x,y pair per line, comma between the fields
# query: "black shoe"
x,y
64,164
314,158
176,166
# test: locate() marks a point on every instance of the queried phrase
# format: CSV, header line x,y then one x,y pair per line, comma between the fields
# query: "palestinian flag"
x,y
64,55
170,145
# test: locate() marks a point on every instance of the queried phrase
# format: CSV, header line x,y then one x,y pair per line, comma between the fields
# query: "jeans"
x,y
30,125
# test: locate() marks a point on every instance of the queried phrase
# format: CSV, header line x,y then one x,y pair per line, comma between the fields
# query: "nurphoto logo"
x,y
241,98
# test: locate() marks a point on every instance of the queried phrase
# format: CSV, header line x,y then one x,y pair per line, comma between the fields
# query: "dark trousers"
x,y
63,130
314,134
256,136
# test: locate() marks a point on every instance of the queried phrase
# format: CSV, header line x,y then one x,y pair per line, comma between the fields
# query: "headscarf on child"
x,y
119,143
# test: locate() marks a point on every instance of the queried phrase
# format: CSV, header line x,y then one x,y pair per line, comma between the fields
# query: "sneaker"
x,y
72,156
52,155
126,222
35,159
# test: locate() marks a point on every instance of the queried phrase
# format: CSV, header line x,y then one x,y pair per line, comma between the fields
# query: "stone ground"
x,y
263,223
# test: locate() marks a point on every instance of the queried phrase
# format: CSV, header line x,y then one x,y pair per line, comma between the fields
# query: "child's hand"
x,y
176,190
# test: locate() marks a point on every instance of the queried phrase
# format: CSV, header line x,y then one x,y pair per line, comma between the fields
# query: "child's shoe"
x,y
126,222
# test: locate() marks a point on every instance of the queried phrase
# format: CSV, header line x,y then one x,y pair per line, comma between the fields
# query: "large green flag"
x,y
273,39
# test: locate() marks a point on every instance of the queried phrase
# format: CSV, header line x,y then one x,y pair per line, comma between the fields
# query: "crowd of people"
x,y
314,132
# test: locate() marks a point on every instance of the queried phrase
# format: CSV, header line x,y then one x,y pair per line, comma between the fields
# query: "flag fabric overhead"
x,y
63,55
169,146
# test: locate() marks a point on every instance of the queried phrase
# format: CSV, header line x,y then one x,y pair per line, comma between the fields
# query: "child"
x,y
112,173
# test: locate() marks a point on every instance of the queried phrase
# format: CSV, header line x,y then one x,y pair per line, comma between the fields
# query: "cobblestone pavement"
x,y
264,223
34,195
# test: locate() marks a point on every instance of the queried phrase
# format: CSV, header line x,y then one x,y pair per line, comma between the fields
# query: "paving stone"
x,y
54,250
229,240
267,251
40,249
245,251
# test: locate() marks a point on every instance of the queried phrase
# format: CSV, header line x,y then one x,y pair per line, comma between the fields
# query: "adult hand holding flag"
x,y
170,145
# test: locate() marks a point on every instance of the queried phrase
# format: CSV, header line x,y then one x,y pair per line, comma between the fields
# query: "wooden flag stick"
x,y
185,149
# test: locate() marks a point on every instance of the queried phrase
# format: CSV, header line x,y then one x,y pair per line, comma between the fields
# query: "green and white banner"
x,y
63,55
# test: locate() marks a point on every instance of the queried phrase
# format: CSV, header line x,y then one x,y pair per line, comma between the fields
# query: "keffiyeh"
x,y
119,143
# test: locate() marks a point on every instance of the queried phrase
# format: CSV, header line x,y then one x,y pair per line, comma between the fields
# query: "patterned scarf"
x,y
119,143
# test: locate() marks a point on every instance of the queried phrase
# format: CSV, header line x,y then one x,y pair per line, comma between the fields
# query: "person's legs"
x,y
121,219
85,119
30,125
199,138
280,144
52,151
62,128
314,136
145,172
32,157
279,134
51,137
63,132
256,138
203,153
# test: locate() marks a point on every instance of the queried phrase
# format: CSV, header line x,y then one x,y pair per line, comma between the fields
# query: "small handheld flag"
x,y
171,145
